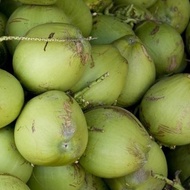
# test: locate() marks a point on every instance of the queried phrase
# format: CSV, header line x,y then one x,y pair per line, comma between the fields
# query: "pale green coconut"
x,y
164,110
118,144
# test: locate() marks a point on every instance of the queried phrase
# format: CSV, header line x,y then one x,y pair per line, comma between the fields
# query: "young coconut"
x,y
118,143
11,161
25,17
175,13
165,108
141,70
78,13
102,81
142,178
41,65
107,28
51,130
12,98
67,177
164,44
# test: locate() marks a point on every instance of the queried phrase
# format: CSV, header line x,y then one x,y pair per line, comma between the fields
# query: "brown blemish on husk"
x,y
153,98
33,126
18,20
155,30
66,128
164,130
137,153
173,64
79,50
95,129
146,53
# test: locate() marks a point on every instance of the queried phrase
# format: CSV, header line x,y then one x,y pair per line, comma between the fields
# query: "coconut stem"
x,y
176,183
22,38
79,95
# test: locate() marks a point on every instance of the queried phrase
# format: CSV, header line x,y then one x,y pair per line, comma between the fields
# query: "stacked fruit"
x,y
94,94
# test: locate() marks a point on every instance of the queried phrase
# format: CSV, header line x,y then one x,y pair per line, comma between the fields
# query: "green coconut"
x,y
175,13
164,110
25,17
78,13
67,177
51,130
103,80
11,161
118,143
141,70
8,182
142,178
107,28
12,98
41,66
164,44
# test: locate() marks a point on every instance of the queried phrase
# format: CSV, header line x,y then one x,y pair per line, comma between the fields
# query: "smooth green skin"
x,y
8,182
12,98
107,29
164,44
141,3
78,13
38,2
42,66
141,70
175,13
164,110
118,143
178,160
25,17
11,161
51,130
109,88
142,179
68,177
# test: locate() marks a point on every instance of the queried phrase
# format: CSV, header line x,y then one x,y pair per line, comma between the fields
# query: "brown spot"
x,y
153,98
155,30
18,20
135,150
33,126
95,129
164,130
173,64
